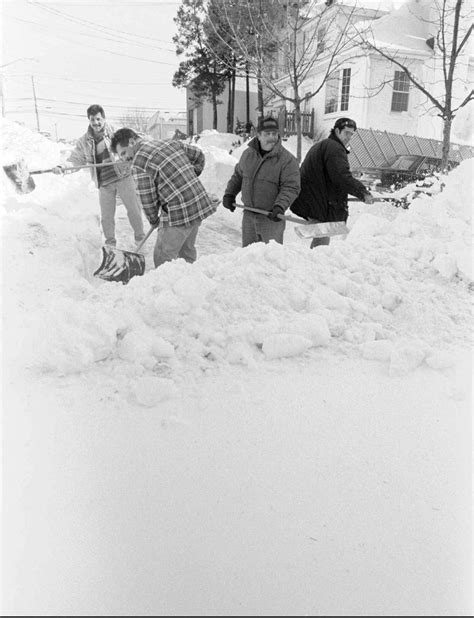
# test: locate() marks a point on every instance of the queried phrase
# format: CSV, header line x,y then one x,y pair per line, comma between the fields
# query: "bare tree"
x,y
205,68
135,119
283,43
451,24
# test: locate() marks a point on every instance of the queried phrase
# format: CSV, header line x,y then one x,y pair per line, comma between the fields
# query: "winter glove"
x,y
275,212
368,198
228,201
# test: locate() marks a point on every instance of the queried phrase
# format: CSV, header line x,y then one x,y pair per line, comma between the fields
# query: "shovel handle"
x,y
266,212
77,167
376,199
147,236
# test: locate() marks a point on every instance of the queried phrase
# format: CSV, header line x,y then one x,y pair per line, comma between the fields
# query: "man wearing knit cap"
x,y
268,176
326,179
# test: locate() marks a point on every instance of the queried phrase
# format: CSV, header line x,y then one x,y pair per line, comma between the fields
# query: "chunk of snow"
x,y
285,345
150,391
377,350
405,357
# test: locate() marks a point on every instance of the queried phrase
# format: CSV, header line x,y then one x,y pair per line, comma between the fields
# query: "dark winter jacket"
x,y
265,181
326,180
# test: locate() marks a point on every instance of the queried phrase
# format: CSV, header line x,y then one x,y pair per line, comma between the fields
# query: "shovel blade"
x,y
320,230
18,173
119,265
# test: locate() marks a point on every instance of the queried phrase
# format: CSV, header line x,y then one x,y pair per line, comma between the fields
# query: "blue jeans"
x,y
259,228
176,241
125,188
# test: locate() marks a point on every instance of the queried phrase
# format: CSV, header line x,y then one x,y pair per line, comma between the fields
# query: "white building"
x,y
164,125
356,89
201,113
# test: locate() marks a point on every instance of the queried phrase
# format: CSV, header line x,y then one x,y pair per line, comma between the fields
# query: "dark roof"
x,y
373,149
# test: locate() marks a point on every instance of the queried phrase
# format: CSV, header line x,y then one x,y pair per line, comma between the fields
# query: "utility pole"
x,y
247,98
36,104
2,93
2,80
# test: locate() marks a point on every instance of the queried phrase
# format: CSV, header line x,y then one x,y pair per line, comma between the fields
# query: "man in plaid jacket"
x,y
173,198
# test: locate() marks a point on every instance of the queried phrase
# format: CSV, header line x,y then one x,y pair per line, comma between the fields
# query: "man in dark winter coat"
x,y
269,178
326,179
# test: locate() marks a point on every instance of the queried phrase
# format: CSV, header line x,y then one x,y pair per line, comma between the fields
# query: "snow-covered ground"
x,y
269,431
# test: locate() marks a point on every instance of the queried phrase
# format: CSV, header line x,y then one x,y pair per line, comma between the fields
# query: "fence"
x,y
287,122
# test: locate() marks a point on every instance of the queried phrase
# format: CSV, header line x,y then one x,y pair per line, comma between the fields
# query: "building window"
x,y
337,92
332,88
345,90
320,40
306,102
401,86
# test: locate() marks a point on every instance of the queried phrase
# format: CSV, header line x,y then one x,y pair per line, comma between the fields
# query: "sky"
x,y
70,54
269,431
119,54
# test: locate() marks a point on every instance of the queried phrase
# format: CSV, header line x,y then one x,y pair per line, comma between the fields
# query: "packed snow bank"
x,y
305,401
215,139
395,290
19,142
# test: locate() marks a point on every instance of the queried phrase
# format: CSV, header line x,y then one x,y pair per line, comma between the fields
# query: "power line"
x,y
118,108
102,37
97,26
46,112
82,103
112,3
88,81
101,49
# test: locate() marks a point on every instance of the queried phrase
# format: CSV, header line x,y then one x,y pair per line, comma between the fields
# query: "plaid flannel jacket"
x,y
166,174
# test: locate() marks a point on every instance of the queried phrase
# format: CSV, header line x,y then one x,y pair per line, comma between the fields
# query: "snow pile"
x,y
19,142
314,403
214,139
30,151
395,290
219,167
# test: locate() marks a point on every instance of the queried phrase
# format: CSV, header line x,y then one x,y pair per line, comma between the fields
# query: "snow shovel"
x,y
335,228
396,201
119,265
24,183
321,230
266,212
309,230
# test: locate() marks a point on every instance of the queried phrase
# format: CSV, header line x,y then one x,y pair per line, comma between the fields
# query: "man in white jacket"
x,y
112,180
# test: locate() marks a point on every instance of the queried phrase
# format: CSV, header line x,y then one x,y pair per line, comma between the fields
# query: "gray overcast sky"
x,y
119,54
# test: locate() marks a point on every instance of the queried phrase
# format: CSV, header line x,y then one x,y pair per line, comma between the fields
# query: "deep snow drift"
x,y
269,431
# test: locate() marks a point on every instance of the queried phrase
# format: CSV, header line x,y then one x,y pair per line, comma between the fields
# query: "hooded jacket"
x,y
326,179
265,181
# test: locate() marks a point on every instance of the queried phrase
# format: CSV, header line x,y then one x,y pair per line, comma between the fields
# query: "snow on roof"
x,y
406,28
